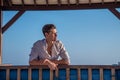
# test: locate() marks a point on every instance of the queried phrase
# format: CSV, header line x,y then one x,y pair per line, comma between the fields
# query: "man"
x,y
47,51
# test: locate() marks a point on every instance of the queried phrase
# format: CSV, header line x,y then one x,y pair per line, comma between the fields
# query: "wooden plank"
x,y
51,74
101,73
40,73
8,74
29,73
115,12
1,35
89,74
12,21
18,74
67,73
63,7
113,73
79,76
56,73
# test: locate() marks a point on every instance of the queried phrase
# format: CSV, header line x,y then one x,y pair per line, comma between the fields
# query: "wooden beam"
x,y
59,2
89,74
79,73
7,74
63,6
113,73
115,12
47,2
67,73
1,33
18,73
101,73
77,2
12,21
10,2
29,73
51,74
40,73
35,2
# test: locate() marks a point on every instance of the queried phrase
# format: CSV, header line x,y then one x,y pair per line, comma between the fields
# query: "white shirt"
x,y
39,51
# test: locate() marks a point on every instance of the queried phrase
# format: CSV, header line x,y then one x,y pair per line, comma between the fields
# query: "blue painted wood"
x,y
35,74
107,74
62,74
24,74
84,74
45,74
2,74
13,74
117,74
95,74
73,74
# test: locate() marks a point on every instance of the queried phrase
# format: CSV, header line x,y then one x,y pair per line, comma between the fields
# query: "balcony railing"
x,y
71,72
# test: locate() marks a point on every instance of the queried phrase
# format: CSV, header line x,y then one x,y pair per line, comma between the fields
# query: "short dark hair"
x,y
47,27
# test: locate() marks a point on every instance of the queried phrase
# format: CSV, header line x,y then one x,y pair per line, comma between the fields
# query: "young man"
x,y
48,51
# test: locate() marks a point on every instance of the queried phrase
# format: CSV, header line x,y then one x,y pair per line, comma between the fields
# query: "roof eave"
x,y
63,6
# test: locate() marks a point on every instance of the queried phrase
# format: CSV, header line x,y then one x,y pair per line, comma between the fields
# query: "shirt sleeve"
x,y
34,53
63,53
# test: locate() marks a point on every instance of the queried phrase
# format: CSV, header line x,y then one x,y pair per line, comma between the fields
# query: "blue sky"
x,y
92,37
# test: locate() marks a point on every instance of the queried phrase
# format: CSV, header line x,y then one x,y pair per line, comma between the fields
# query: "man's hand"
x,y
50,64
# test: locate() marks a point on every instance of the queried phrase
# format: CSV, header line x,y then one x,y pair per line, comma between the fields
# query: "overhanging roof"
x,y
58,4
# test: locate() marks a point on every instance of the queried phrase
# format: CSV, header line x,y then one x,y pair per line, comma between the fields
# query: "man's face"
x,y
52,35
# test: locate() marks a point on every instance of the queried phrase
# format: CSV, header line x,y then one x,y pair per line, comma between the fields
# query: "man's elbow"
x,y
33,62
67,62
30,63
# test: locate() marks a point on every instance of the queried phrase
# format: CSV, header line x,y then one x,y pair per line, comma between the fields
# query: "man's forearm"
x,y
46,62
36,62
64,62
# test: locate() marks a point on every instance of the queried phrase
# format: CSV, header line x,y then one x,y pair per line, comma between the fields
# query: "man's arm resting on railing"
x,y
39,62
50,64
62,61
36,62
46,62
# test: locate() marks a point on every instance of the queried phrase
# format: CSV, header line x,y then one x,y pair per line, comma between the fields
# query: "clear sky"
x,y
92,37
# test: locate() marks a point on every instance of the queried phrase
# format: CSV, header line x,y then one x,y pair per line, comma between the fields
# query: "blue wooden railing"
x,y
71,72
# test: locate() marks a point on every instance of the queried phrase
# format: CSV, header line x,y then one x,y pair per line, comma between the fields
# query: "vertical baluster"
x,y
79,77
8,74
51,74
18,74
101,74
29,74
40,73
113,73
89,74
56,73
67,74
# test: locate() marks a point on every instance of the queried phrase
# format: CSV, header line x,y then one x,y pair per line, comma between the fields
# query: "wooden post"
x,y
101,73
29,73
0,33
51,74
40,73
8,74
113,73
67,74
56,73
79,74
18,74
89,74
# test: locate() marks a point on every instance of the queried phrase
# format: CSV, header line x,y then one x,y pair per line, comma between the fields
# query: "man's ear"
x,y
46,34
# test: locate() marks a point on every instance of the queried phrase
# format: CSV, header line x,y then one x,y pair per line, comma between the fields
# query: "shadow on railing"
x,y
71,72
